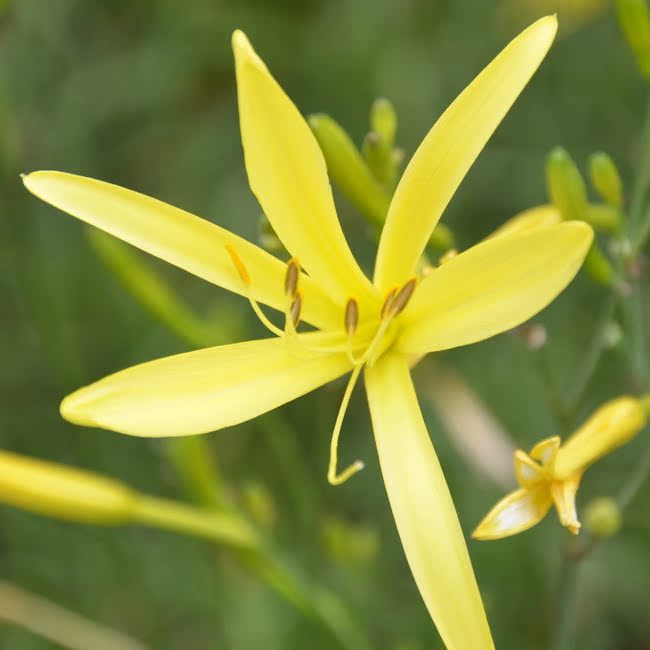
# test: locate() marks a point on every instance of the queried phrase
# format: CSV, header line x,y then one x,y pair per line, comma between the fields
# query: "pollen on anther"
x,y
291,278
296,308
388,302
402,297
239,265
351,317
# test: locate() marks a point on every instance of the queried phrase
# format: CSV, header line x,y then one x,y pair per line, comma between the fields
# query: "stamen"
x,y
333,476
387,303
294,311
246,279
399,302
351,318
291,278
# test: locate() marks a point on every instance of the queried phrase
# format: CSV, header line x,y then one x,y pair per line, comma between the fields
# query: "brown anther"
x,y
291,278
402,298
388,302
296,307
351,318
239,265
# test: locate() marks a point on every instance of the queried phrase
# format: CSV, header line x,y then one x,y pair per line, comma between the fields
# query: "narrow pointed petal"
x,y
288,175
546,451
564,497
423,509
204,390
531,219
493,287
527,471
178,237
449,150
518,511
612,425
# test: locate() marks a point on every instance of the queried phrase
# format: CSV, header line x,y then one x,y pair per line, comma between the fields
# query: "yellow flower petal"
x,y
288,175
564,497
537,217
493,287
450,148
60,491
423,509
180,238
546,451
515,513
527,471
612,425
204,390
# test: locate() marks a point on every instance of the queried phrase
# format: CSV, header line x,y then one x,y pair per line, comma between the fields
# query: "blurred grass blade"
x,y
152,292
59,625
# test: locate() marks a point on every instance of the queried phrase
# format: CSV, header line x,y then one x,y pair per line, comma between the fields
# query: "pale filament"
x,y
395,302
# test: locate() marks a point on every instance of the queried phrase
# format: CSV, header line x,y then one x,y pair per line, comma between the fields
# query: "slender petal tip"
x,y
243,50
74,408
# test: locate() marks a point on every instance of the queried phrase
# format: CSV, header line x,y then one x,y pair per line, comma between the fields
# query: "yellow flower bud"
x,y
606,179
65,492
612,425
603,517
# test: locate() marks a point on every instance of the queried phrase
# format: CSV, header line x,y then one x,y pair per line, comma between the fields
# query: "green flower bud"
x,y
635,24
598,266
379,157
604,217
348,169
602,517
565,185
383,120
606,179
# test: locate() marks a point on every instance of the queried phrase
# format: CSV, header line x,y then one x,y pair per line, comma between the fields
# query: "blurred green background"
x,y
143,95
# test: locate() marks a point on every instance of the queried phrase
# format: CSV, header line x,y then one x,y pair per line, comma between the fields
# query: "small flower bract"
x,y
378,326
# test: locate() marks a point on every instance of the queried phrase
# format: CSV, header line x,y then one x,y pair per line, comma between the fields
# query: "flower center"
x,y
363,345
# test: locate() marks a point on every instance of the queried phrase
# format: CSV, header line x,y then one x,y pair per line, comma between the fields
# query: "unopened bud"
x,y
602,517
383,120
612,334
379,156
598,266
64,492
606,179
606,218
635,24
565,185
347,168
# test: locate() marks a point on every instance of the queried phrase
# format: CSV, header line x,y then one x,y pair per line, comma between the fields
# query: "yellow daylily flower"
x,y
551,472
379,325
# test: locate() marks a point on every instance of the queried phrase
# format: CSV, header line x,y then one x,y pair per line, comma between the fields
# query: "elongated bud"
x,y
565,185
635,24
64,492
347,168
606,218
383,120
603,517
612,425
379,156
598,266
606,179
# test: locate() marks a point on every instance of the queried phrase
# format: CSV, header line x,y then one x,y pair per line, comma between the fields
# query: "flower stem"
x,y
211,525
565,605
642,182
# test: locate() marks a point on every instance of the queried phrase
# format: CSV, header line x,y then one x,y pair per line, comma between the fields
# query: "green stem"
x,y
565,614
643,176
214,526
638,478
592,357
